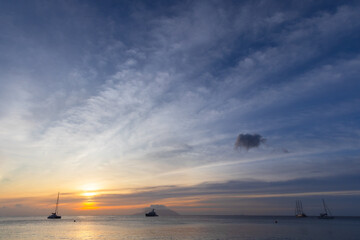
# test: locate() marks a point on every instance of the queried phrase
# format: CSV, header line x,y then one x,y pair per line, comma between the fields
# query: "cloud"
x,y
334,185
220,195
171,151
247,141
229,193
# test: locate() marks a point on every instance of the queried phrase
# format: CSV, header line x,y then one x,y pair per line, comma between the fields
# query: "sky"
x,y
206,107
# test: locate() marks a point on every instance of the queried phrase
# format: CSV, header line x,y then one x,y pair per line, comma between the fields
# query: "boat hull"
x,y
54,216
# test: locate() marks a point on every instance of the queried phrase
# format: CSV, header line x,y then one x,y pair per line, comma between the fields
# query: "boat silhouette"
x,y
151,214
55,215
327,213
299,212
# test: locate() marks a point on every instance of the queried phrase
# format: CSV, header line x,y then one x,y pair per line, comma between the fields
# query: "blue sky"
x,y
135,95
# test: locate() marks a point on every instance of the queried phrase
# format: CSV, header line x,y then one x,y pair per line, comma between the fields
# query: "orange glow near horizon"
x,y
92,206
89,206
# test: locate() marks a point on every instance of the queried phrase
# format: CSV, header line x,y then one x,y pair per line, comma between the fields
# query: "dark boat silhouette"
x,y
327,213
299,212
55,215
151,214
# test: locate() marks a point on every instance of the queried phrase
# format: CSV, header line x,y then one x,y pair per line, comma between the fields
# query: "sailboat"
x,y
299,212
55,215
327,213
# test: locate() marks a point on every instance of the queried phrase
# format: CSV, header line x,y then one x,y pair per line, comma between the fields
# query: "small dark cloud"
x,y
247,141
280,150
18,205
284,150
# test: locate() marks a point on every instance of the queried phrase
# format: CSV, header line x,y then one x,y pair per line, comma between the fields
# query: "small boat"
x,y
55,215
299,212
327,213
151,214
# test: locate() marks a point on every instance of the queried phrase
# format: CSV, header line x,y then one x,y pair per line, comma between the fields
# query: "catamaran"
x,y
55,215
327,213
299,212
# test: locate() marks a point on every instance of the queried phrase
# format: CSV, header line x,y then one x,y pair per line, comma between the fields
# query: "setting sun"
x,y
90,189
89,194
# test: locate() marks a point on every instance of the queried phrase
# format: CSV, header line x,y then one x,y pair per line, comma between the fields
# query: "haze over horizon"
x,y
206,107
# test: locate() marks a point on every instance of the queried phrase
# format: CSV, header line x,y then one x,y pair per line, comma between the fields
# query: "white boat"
x,y
55,215
327,213
299,212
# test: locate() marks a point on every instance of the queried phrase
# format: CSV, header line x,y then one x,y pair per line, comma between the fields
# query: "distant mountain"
x,y
161,210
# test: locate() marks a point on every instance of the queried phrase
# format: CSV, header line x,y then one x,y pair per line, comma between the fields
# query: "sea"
x,y
180,227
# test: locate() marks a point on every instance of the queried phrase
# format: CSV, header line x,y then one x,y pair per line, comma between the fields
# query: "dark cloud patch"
x,y
247,141
284,150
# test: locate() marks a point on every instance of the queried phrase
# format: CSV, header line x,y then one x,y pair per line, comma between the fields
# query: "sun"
x,y
90,189
89,194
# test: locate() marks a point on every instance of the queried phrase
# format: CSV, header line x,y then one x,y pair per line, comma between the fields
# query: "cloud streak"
x,y
192,198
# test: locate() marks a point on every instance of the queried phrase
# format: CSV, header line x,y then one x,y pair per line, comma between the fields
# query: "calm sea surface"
x,y
182,227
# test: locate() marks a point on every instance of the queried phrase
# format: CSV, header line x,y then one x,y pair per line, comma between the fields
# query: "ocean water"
x,y
180,227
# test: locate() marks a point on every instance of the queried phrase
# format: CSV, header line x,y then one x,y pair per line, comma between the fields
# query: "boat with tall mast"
x,y
327,213
299,212
55,215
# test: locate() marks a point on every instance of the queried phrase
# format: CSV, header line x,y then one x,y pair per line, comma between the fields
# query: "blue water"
x,y
181,227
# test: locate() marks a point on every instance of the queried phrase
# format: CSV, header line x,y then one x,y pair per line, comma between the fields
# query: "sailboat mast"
x,y
325,209
297,207
57,203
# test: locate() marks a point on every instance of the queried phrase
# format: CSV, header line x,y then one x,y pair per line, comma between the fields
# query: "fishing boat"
x,y
327,213
299,212
151,214
55,215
